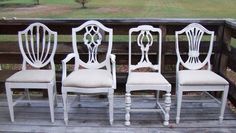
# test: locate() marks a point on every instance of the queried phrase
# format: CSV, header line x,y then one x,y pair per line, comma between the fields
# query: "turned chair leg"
x,y
127,108
167,108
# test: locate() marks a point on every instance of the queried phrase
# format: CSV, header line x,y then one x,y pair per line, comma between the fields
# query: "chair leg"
x,y
51,102
223,103
10,102
78,99
179,101
167,108
28,96
176,91
127,108
157,95
55,94
110,98
64,98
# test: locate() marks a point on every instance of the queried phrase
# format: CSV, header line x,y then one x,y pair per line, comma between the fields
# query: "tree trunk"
x,y
83,4
37,2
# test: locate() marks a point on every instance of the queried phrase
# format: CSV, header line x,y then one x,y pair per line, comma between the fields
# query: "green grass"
x,y
123,9
119,9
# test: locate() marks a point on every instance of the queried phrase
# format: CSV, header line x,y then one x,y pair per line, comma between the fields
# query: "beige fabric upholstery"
x,y
203,77
150,78
31,76
89,78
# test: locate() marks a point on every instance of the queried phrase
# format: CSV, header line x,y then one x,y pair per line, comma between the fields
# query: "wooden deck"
x,y
92,116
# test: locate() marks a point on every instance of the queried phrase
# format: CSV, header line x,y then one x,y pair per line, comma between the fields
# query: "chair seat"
x,y
202,77
146,78
31,76
88,78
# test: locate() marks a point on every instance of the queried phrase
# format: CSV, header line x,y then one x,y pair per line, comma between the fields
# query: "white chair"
x,y
94,76
38,46
195,78
147,80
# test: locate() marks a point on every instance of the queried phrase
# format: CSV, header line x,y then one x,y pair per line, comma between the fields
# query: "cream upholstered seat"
x,y
147,38
89,78
149,78
31,76
195,78
93,75
37,45
203,77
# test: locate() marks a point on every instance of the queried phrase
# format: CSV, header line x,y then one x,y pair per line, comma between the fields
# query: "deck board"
x,y
92,116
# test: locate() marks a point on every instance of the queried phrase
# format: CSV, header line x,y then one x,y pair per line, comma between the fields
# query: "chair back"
x,y
145,39
37,45
93,38
194,33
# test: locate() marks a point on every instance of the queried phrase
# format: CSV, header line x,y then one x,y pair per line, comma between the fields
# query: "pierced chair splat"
x,y
95,75
38,46
146,80
203,80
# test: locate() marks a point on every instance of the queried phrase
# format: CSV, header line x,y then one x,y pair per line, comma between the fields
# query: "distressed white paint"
x,y
38,50
146,31
92,39
194,33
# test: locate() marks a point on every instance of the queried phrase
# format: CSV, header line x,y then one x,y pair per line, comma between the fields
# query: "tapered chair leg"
x,y
176,91
10,102
28,96
78,100
51,102
127,108
179,102
55,94
223,103
64,98
157,95
110,98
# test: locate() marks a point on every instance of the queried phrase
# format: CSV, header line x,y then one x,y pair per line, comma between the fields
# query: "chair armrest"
x,y
113,58
113,61
68,57
64,62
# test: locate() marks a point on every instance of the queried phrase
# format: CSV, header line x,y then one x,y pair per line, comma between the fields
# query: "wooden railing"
x,y
224,55
228,56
